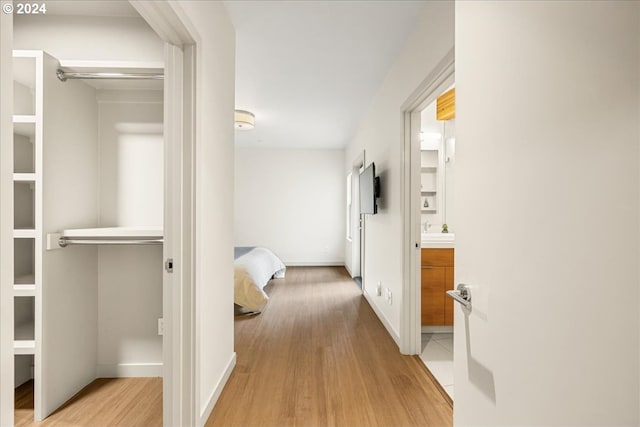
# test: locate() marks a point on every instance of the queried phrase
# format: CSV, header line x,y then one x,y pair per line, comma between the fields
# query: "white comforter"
x,y
253,271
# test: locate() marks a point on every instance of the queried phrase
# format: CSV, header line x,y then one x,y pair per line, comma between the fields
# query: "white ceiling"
x,y
308,70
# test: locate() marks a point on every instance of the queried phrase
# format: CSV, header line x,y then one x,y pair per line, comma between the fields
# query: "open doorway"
x,y
427,313
40,86
355,220
437,227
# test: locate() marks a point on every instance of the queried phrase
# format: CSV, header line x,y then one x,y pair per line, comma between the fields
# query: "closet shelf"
x,y
20,290
24,177
24,347
28,118
24,233
137,67
141,232
89,66
112,236
428,191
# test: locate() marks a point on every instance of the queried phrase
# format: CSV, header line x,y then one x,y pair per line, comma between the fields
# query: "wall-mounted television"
x,y
369,190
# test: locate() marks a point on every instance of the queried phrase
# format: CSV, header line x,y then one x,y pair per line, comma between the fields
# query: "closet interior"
x,y
88,223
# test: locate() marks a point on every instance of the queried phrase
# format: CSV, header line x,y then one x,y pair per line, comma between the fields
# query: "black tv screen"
x,y
368,190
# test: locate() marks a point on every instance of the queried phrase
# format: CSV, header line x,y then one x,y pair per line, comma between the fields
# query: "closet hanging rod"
x,y
63,242
64,75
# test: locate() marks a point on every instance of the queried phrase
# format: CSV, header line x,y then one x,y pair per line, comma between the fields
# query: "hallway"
x,y
318,356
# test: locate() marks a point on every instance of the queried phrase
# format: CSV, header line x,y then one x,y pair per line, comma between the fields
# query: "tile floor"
x,y
437,354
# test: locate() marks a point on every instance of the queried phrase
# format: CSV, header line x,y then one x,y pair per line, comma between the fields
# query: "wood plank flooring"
x,y
125,402
318,356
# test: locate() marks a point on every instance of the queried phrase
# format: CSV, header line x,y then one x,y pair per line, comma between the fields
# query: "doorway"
x,y
437,230
356,220
428,257
177,289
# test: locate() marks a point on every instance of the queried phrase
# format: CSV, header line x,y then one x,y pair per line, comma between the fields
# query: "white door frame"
x,y
179,377
410,320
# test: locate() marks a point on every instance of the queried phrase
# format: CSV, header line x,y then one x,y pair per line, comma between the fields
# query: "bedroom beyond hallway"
x,y
317,355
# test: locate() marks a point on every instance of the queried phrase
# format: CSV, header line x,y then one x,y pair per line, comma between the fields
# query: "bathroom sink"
x,y
438,240
439,237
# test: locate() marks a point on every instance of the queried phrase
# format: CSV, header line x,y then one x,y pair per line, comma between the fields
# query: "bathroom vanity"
x,y
437,277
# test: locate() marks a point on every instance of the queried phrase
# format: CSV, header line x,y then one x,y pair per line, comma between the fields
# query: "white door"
x,y
547,236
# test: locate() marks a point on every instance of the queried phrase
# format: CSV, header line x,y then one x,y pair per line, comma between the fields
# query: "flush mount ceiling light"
x,y
244,120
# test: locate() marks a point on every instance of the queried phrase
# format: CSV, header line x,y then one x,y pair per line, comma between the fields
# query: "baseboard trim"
x,y
215,394
381,316
127,370
315,264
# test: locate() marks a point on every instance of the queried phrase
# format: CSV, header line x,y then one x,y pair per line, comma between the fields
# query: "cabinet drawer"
x,y
437,257
433,297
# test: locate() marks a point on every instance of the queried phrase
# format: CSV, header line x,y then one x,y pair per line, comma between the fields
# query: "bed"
x,y
253,268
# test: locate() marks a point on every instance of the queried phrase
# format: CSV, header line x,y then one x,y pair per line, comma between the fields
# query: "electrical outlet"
x,y
379,289
161,326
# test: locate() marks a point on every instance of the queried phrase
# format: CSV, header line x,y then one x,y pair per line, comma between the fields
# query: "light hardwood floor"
x,y
318,356
106,402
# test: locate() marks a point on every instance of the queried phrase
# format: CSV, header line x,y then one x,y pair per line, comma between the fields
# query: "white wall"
x,y
89,38
214,156
547,122
131,194
381,134
292,202
131,157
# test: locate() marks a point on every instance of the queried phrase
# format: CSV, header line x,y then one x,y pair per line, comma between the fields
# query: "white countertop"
x,y
438,240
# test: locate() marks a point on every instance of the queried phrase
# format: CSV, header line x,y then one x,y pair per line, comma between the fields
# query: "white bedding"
x,y
253,270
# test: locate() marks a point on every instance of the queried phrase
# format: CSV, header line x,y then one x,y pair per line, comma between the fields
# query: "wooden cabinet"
x,y
437,278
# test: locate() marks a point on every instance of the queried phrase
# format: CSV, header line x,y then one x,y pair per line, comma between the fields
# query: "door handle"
x,y
462,294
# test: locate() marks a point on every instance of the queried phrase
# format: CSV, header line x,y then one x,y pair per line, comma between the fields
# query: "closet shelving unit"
x,y
429,180
28,224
